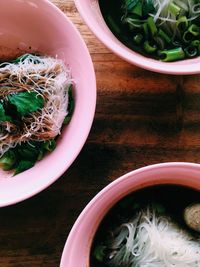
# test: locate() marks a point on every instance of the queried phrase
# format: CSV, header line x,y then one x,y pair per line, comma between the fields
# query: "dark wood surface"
x,y
141,118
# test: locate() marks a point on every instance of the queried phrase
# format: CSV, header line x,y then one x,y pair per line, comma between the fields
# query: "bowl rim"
x,y
105,191
132,57
88,125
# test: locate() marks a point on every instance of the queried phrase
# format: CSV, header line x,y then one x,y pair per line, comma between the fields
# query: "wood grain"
x,y
141,118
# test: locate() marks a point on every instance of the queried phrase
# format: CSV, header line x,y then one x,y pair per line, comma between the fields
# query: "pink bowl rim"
x,y
88,125
134,58
99,196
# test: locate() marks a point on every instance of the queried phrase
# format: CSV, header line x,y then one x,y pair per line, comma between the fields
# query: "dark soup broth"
x,y
170,200
112,14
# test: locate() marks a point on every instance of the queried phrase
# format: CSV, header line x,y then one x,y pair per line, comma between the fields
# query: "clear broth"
x,y
173,198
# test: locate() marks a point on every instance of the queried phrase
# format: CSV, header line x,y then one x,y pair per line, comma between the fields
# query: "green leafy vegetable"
x,y
21,58
23,166
7,162
24,156
29,151
26,102
137,10
130,4
49,145
3,116
148,7
70,106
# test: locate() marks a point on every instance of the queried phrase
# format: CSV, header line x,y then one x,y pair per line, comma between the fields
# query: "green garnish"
x,y
70,106
23,165
21,58
151,26
24,156
26,102
3,116
172,54
164,23
8,160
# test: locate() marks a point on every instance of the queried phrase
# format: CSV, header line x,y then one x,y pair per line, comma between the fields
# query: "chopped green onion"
x,y
133,23
182,23
152,26
160,42
172,54
149,48
137,10
164,36
191,51
169,26
196,42
174,9
196,8
194,30
187,37
138,38
146,30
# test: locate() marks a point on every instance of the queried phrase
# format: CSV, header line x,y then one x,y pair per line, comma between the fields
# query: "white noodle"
x,y
51,79
154,242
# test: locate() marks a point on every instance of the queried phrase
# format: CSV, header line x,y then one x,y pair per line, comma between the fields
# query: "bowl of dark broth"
x,y
156,35
146,218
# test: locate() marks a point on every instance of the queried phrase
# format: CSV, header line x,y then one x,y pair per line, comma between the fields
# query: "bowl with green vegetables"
x,y
158,35
46,106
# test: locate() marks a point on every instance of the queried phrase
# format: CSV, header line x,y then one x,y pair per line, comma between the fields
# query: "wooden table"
x,y
141,118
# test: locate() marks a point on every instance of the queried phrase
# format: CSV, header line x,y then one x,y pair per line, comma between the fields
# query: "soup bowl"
x,y
78,245
91,13
39,26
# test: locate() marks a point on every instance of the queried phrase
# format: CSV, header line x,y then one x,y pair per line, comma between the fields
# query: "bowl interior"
x,y
91,13
82,234
38,26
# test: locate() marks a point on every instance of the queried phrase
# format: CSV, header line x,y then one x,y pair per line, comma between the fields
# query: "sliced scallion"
x,y
172,54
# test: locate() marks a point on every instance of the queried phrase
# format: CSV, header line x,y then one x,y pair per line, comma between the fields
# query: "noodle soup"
x,y
147,229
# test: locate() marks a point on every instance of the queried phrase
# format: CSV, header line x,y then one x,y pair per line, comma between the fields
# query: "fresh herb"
x,y
49,145
24,156
26,102
148,7
24,165
3,116
8,160
70,106
130,4
25,56
21,58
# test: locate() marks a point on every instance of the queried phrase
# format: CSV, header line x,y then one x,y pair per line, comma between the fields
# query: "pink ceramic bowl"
x,y
90,11
37,25
77,249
